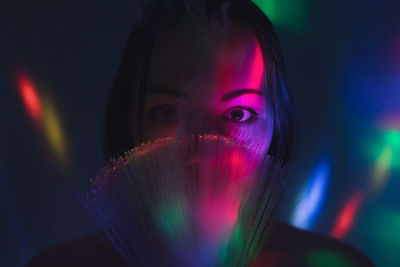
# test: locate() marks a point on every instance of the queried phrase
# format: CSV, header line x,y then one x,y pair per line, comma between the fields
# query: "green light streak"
x,y
384,149
238,251
291,14
172,221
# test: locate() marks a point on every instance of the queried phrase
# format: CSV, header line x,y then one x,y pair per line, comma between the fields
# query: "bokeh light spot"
x,y
346,218
312,197
30,97
383,148
53,131
381,170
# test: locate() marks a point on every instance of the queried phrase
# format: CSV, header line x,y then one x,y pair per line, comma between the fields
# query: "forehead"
x,y
206,55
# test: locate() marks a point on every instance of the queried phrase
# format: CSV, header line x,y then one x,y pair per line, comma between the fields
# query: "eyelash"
x,y
252,118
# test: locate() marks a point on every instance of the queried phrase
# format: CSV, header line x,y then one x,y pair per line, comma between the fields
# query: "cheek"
x,y
151,131
257,135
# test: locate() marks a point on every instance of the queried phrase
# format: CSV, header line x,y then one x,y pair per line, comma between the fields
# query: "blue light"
x,y
312,197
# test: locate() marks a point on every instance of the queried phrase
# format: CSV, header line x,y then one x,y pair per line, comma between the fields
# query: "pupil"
x,y
237,115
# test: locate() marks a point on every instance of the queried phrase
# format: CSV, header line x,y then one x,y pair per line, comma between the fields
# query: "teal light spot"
x,y
378,145
392,137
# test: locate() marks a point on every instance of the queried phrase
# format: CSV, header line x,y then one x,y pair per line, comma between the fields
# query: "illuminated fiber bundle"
x,y
189,201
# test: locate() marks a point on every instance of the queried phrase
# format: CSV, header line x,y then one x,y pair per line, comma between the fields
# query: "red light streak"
x,y
345,220
29,97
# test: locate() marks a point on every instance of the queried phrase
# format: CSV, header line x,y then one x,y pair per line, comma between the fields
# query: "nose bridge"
x,y
198,121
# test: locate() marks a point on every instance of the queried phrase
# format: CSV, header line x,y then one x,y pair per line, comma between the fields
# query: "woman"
x,y
206,67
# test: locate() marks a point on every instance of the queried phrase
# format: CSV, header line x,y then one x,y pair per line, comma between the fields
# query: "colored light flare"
x,y
312,197
392,138
291,14
53,130
30,97
380,175
43,113
384,151
347,216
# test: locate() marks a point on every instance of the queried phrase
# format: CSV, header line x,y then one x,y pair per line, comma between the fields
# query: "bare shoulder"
x,y
288,246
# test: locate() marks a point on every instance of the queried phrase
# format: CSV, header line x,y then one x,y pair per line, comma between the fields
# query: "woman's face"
x,y
207,79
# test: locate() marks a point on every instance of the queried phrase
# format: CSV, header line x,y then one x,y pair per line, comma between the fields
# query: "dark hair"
x,y
127,95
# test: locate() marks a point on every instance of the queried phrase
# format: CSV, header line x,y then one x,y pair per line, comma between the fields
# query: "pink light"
x,y
345,220
257,67
30,97
390,121
218,217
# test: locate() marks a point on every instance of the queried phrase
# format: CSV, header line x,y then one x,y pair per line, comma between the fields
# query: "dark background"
x,y
343,63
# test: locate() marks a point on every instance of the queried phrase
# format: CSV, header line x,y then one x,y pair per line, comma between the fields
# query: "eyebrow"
x,y
240,92
168,91
176,93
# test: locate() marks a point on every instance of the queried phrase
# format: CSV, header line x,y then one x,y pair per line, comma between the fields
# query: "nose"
x,y
199,122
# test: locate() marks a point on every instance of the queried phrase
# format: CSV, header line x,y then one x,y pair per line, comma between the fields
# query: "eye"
x,y
240,114
164,114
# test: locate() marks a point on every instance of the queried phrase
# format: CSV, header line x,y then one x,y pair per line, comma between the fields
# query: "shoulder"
x,y
288,246
295,247
92,250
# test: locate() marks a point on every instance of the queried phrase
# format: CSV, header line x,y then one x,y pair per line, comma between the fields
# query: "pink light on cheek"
x,y
239,164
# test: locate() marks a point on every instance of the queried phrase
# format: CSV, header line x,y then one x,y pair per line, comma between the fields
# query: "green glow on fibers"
x,y
172,220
